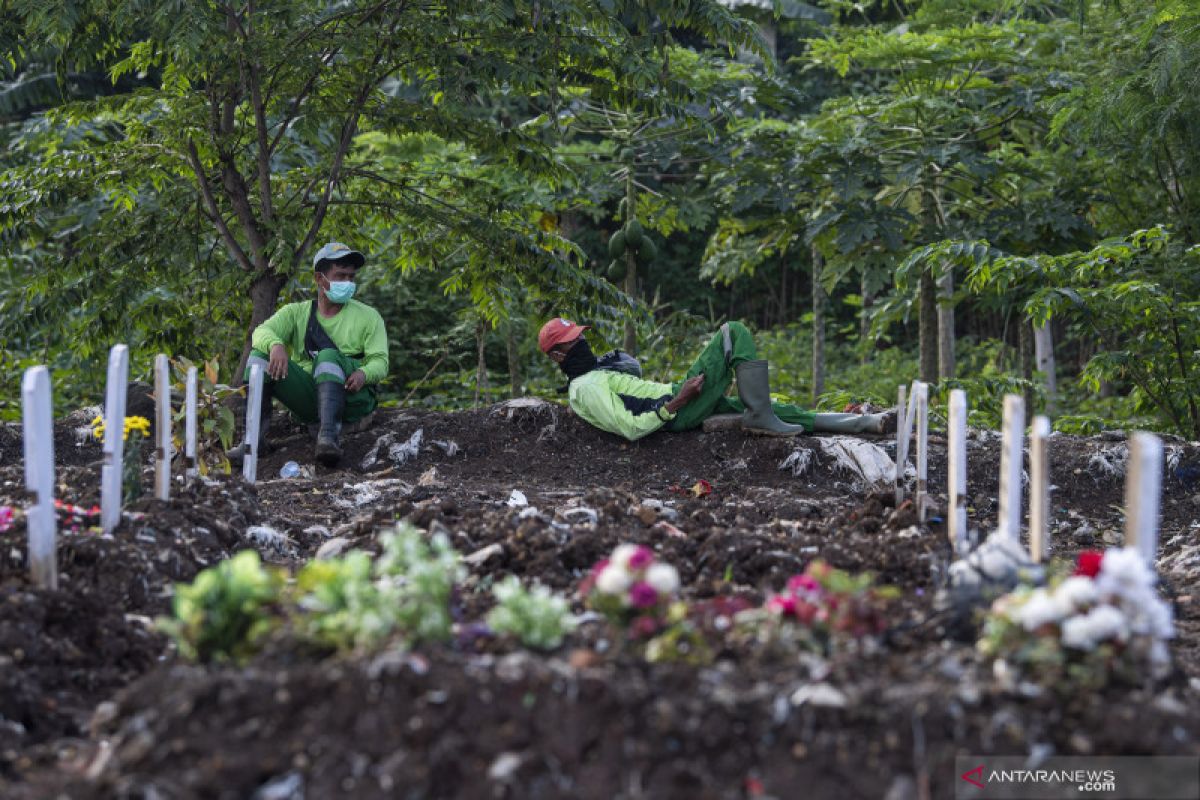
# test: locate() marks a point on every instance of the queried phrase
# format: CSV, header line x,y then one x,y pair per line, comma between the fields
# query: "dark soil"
x,y
94,704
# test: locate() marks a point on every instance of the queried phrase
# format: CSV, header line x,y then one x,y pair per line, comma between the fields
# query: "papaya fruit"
x,y
633,233
616,270
648,251
616,245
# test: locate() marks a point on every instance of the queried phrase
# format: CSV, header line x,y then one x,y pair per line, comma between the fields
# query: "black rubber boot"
x,y
237,455
331,401
755,393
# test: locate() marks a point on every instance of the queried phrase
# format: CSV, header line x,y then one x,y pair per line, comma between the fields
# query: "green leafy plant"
x,y
226,610
215,422
536,616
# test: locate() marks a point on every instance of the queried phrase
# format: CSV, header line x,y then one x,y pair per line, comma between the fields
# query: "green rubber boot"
x,y
755,394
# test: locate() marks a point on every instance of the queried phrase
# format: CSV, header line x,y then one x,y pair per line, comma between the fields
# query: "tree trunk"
x,y
264,294
481,378
818,333
945,316
1043,346
629,345
928,328
514,360
1025,353
864,319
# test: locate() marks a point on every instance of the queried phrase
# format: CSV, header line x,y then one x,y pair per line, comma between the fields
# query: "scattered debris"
x,y
332,548
516,499
264,537
1109,462
446,446
398,452
821,695
483,554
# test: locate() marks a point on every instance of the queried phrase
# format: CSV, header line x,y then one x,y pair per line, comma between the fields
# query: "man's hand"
x,y
278,365
356,380
689,391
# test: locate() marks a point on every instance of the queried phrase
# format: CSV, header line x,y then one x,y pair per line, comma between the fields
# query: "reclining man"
x,y
627,405
323,358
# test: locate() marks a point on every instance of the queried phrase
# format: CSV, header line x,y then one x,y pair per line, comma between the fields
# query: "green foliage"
x,y
537,617
353,602
214,418
226,610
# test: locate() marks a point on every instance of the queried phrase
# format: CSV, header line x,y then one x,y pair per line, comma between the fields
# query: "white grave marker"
x,y
901,446
162,452
253,423
921,392
956,471
114,437
1039,489
1143,485
189,427
39,476
1012,450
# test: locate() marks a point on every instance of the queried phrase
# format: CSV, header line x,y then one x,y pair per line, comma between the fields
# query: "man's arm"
x,y
276,330
375,352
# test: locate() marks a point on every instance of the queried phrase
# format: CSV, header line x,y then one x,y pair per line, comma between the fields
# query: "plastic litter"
x,y
289,470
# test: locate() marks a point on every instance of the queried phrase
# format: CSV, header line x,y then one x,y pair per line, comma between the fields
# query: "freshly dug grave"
x,y
585,721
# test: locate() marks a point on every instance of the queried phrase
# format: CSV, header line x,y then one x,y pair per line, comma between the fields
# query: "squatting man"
x,y
610,393
322,358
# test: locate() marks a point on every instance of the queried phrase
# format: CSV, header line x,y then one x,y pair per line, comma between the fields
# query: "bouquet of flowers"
x,y
1105,620
831,602
633,589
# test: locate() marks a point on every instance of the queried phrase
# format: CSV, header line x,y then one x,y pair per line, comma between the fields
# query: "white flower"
x,y
1077,593
1149,615
663,578
613,579
1039,610
622,554
1123,572
1103,623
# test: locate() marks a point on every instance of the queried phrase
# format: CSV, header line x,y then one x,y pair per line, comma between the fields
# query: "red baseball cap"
x,y
557,331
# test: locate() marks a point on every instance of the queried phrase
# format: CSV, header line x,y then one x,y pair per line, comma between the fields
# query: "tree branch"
x,y
231,244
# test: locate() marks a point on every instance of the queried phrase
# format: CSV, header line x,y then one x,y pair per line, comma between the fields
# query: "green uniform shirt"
x,y
357,328
621,403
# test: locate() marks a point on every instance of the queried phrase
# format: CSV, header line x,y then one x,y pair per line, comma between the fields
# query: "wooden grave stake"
x,y
1143,486
921,392
114,437
1012,449
162,452
39,476
253,423
192,468
956,471
901,446
1039,489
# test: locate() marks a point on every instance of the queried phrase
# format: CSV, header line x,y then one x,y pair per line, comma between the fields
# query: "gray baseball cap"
x,y
336,251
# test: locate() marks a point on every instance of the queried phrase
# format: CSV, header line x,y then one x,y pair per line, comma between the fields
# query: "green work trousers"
x,y
298,391
718,375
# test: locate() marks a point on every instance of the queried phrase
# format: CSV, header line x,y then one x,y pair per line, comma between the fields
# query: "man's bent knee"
x,y
327,367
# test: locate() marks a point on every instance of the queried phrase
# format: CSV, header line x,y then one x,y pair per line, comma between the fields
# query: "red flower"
x,y
1089,563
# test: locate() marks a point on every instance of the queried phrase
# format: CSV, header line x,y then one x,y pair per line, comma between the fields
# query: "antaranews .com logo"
x,y
1109,777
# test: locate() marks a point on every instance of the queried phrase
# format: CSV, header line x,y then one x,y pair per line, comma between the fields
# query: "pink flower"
x,y
6,517
642,595
803,583
600,565
782,604
641,558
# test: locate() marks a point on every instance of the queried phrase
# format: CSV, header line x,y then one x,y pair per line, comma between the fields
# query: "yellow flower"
x,y
139,424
